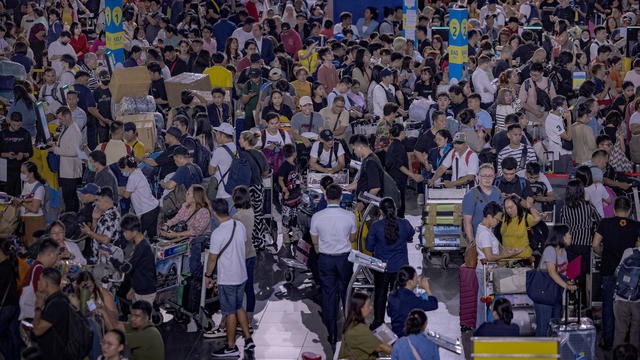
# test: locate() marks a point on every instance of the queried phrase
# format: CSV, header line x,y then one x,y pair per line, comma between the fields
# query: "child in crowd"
x,y
289,179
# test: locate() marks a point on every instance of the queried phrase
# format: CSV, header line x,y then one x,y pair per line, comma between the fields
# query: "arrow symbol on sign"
x,y
107,15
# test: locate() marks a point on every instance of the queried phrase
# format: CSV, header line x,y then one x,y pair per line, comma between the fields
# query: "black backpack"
x,y
542,97
336,146
200,153
80,340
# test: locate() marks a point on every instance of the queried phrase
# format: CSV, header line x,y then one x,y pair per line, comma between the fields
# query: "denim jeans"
x,y
248,288
481,315
544,314
608,318
96,348
10,342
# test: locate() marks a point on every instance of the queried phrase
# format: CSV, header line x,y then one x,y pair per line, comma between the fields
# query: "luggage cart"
x,y
500,278
178,252
268,194
441,231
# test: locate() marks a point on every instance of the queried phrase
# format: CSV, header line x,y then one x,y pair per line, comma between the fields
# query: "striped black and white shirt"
x,y
507,151
580,220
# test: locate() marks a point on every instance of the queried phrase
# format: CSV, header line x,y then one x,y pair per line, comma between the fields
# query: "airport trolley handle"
x,y
368,198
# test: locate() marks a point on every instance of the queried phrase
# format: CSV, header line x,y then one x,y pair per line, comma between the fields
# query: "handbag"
x,y
566,144
181,226
542,289
471,257
53,161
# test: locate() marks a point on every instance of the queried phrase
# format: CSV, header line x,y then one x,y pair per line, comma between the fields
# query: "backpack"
x,y
537,235
389,186
173,201
522,181
533,13
51,204
239,172
628,277
346,71
542,98
81,333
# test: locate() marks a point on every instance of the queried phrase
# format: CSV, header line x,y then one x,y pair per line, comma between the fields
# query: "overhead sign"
x,y
113,20
409,21
458,43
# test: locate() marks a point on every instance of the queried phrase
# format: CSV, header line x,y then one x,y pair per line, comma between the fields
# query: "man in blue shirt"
x,y
186,174
477,198
87,103
223,29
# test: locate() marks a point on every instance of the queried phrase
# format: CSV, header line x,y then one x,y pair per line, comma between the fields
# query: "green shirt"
x,y
251,105
361,341
145,344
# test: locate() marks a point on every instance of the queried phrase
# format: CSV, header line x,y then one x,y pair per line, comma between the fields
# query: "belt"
x,y
336,255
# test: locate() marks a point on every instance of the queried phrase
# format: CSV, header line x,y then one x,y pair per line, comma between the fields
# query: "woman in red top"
x,y
78,41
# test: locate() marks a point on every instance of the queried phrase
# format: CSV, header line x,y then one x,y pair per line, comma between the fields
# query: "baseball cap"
x,y
305,100
326,135
275,72
129,126
492,1
255,73
254,58
174,131
386,72
225,128
103,74
180,150
460,138
90,188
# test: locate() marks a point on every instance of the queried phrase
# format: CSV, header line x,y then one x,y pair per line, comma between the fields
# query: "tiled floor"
x,y
288,322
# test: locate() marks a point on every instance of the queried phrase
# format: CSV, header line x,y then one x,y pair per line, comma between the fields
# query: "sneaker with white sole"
x,y
215,333
249,344
240,329
226,351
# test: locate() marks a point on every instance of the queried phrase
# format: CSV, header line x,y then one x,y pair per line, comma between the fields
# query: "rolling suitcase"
x,y
577,335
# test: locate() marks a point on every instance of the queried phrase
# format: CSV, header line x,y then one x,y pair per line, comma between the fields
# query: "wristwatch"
x,y
38,308
209,276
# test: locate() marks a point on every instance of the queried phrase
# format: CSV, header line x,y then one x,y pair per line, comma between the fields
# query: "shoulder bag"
x,y
542,289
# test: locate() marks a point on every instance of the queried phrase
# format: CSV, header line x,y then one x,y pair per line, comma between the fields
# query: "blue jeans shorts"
x,y
230,298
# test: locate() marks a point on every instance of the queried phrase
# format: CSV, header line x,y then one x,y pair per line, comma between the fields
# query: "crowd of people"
x,y
549,86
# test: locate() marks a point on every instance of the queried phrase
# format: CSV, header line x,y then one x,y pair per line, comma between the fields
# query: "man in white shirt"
x,y
52,92
601,39
77,114
634,74
492,8
384,92
327,155
144,203
345,21
220,162
227,249
558,128
244,33
463,161
59,48
332,232
482,83
67,147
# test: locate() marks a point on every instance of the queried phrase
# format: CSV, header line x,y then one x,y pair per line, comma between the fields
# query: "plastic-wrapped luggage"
x,y
131,105
577,335
510,280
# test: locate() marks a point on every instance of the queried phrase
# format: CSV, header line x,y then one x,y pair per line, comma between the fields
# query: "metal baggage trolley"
x,y
441,231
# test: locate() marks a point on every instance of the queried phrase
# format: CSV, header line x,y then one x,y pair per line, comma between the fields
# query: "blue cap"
x,y
90,188
386,72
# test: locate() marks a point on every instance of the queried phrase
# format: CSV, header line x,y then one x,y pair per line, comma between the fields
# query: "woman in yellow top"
x,y
302,86
514,224
67,13
308,56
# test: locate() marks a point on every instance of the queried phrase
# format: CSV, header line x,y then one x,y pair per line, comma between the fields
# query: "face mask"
x,y
91,168
125,174
23,177
105,82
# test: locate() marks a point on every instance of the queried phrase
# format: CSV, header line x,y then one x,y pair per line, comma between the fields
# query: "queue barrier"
x,y
505,348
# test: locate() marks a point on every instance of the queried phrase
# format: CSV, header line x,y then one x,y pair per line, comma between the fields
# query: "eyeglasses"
x,y
486,176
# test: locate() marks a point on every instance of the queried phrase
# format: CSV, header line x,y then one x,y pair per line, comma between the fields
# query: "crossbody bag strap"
x,y
230,239
413,349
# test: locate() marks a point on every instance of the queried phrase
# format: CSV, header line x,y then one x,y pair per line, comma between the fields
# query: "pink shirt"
x,y
198,224
211,47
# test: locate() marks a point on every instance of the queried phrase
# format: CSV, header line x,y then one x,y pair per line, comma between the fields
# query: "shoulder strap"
x,y
498,181
103,146
523,183
283,136
523,157
413,349
230,239
263,135
469,152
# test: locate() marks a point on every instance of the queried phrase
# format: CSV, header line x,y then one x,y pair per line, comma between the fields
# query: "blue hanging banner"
x,y
113,20
458,43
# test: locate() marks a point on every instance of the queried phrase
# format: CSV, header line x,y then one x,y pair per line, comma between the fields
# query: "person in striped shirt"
x,y
516,149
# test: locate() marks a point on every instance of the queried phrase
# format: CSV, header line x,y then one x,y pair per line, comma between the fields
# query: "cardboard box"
x,y
146,128
185,81
133,81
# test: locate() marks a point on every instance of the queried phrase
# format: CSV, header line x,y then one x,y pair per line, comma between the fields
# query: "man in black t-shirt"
x,y
613,236
102,96
370,177
157,88
15,147
165,159
51,319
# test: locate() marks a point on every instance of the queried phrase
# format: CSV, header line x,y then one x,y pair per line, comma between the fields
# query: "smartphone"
x,y
91,305
27,324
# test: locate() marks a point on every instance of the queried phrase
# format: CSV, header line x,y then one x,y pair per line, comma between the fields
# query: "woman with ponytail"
x,y
145,205
501,325
387,240
358,342
415,345
10,342
31,201
403,299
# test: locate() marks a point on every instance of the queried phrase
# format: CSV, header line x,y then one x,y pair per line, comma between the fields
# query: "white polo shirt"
x,y
141,198
462,164
333,226
554,126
